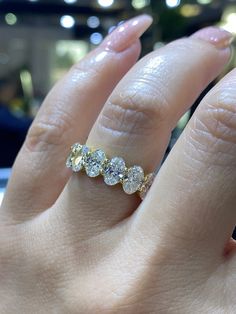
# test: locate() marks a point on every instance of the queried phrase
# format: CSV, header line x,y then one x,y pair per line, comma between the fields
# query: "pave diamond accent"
x,y
133,180
114,171
93,163
146,185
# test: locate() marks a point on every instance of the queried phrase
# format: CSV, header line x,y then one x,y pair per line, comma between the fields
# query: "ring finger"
x,y
137,120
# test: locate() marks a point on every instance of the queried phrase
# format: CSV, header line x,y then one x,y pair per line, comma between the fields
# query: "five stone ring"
x,y
95,162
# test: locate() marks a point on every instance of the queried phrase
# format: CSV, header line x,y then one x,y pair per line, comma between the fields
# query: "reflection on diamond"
x,y
114,171
134,179
77,163
93,163
75,150
85,150
75,159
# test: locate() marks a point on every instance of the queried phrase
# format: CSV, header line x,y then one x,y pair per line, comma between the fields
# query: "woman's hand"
x,y
71,244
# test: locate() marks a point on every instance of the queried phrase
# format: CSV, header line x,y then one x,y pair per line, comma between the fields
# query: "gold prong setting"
x,y
114,170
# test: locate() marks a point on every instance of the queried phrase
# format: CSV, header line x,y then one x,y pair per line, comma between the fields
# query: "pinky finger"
x,y
200,174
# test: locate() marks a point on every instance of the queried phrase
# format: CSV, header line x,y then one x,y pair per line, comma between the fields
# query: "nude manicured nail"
x,y
127,33
218,37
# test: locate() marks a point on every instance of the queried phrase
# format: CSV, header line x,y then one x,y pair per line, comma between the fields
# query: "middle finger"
x,y
137,120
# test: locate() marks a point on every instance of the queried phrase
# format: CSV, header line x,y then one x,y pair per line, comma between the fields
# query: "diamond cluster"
x,y
114,170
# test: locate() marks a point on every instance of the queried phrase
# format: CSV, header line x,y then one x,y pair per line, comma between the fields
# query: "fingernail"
x,y
127,33
218,37
111,29
121,22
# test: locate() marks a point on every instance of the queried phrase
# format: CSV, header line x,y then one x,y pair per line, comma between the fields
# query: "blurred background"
x,y
41,39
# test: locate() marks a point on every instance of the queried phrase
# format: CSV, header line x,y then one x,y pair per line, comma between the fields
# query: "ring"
x,y
95,162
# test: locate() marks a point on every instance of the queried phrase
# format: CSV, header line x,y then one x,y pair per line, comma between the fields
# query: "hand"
x,y
71,244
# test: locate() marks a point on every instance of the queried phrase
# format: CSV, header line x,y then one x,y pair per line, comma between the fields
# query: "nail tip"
x,y
148,17
144,18
133,29
217,36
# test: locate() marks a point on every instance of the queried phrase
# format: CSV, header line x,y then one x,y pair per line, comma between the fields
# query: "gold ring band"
x,y
95,162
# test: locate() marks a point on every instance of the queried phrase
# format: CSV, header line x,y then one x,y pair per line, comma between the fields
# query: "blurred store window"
x,y
64,54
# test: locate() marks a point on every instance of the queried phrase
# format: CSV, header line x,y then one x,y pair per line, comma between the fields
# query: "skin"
x,y
71,244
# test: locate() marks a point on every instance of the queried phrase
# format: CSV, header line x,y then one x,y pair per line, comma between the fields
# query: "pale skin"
x,y
71,244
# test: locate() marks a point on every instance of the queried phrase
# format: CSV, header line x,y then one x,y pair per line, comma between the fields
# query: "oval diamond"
x,y
114,171
133,180
93,163
69,161
75,150
78,158
77,163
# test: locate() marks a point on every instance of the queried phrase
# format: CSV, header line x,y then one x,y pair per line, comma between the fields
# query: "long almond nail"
x,y
218,37
127,33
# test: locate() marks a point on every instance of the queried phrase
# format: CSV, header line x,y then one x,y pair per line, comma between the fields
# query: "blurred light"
x,y
172,3
190,10
93,21
231,18
70,1
105,3
72,49
139,4
183,120
10,18
33,0
67,21
4,176
26,83
158,45
230,23
1,195
204,1
96,38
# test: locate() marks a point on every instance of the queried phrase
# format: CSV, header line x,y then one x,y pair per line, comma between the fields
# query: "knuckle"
x,y
220,117
48,131
134,112
213,130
